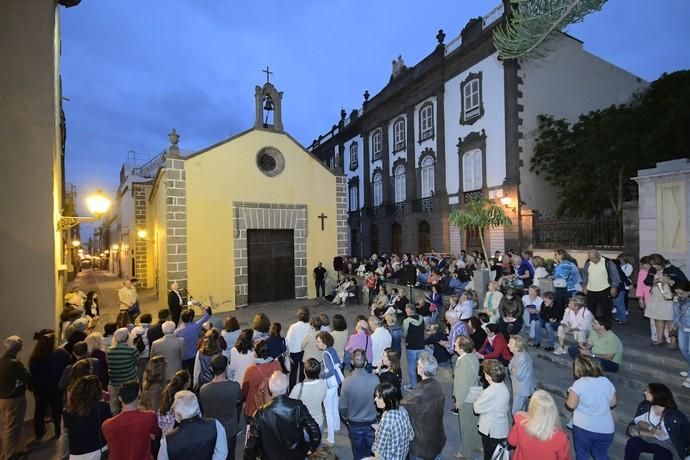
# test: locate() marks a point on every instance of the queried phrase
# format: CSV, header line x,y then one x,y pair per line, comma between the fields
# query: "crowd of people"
x,y
198,386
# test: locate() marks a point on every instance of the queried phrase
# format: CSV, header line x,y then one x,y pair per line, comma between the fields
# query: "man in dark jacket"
x,y
14,378
424,405
277,429
155,332
175,302
195,437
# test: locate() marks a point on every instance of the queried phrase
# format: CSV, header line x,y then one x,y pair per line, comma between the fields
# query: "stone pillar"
x,y
140,245
176,217
342,228
411,173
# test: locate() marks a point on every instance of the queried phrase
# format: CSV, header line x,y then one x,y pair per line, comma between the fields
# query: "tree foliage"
x,y
531,23
480,215
591,161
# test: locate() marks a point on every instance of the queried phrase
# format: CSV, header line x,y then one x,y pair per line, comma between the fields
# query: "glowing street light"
x,y
97,203
142,234
116,247
76,243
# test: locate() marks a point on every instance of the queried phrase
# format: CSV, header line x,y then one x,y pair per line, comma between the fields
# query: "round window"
x,y
270,161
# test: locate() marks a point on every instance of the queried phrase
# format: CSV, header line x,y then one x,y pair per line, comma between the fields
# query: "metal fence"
x,y
553,233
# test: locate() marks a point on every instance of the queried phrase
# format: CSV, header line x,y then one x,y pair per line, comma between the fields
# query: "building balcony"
x,y
423,204
397,209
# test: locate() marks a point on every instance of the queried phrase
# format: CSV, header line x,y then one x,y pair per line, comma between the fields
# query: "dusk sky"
x,y
134,69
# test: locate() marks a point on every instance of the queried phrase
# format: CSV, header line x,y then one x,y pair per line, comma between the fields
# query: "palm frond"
x,y
533,22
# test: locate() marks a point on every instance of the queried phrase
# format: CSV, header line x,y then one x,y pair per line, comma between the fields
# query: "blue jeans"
x,y
590,443
619,303
606,364
412,356
361,439
550,332
684,345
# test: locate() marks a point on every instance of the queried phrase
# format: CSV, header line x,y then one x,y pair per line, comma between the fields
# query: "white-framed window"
x,y
377,183
354,198
427,176
472,171
471,98
354,162
426,122
399,184
399,135
376,144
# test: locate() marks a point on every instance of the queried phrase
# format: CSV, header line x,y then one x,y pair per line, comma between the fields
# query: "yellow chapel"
x,y
244,220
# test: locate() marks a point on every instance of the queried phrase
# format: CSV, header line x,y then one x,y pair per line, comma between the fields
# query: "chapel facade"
x,y
242,221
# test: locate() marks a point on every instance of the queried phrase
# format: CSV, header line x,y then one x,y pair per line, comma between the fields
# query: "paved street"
x,y
553,373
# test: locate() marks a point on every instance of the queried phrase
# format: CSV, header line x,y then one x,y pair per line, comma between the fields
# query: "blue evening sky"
x,y
133,69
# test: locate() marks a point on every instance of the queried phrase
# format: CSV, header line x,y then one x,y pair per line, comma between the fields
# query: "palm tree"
x,y
480,215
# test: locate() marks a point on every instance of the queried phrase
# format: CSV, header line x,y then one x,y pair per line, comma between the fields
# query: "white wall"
x,y
493,122
565,83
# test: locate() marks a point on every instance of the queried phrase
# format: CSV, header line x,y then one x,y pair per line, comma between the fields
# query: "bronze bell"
x,y
268,104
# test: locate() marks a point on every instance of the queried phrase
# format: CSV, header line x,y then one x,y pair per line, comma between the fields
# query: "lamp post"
x,y
97,203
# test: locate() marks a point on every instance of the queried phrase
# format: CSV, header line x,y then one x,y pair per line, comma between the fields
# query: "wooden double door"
x,y
271,258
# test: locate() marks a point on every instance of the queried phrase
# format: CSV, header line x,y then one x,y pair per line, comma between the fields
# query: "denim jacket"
x,y
681,313
569,272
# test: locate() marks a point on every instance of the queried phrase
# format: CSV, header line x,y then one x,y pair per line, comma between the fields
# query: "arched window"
x,y
399,174
378,189
354,198
427,176
426,122
399,135
472,170
354,162
376,144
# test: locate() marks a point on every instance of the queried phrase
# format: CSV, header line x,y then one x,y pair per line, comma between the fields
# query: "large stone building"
x,y
457,126
33,234
242,221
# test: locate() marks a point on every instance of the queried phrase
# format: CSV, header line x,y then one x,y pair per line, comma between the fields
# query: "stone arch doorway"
x,y
423,237
396,242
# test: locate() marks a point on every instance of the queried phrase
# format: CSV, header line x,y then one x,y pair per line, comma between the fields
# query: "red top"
x,y
252,378
129,434
500,347
527,447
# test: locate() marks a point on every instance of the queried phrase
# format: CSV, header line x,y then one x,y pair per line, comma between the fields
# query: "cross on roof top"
x,y
268,74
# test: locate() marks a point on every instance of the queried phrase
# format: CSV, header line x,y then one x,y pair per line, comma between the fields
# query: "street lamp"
x,y
97,203
76,243
116,247
142,234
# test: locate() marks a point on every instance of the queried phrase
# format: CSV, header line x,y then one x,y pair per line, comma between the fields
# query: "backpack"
x,y
262,396
138,343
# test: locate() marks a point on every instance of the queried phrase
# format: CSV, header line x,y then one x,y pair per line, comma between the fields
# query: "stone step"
x,y
634,377
617,449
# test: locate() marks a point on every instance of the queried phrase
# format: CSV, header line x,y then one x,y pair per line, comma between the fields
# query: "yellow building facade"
x,y
247,219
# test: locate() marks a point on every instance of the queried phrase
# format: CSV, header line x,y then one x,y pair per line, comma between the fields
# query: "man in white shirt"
x,y
294,338
380,340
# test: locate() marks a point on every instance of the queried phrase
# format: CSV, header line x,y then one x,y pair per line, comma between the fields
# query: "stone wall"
x,y
140,192
176,219
271,216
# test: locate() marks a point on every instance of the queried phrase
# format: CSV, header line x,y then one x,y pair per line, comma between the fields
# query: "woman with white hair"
x,y
96,349
195,437
537,433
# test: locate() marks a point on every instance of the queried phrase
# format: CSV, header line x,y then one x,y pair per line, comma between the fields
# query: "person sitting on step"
x,y
577,321
602,345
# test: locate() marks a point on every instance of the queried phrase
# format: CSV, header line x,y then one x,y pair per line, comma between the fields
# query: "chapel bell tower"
x,y
268,106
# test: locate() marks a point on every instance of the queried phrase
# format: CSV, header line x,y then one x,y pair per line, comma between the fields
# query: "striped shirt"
x,y
122,363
